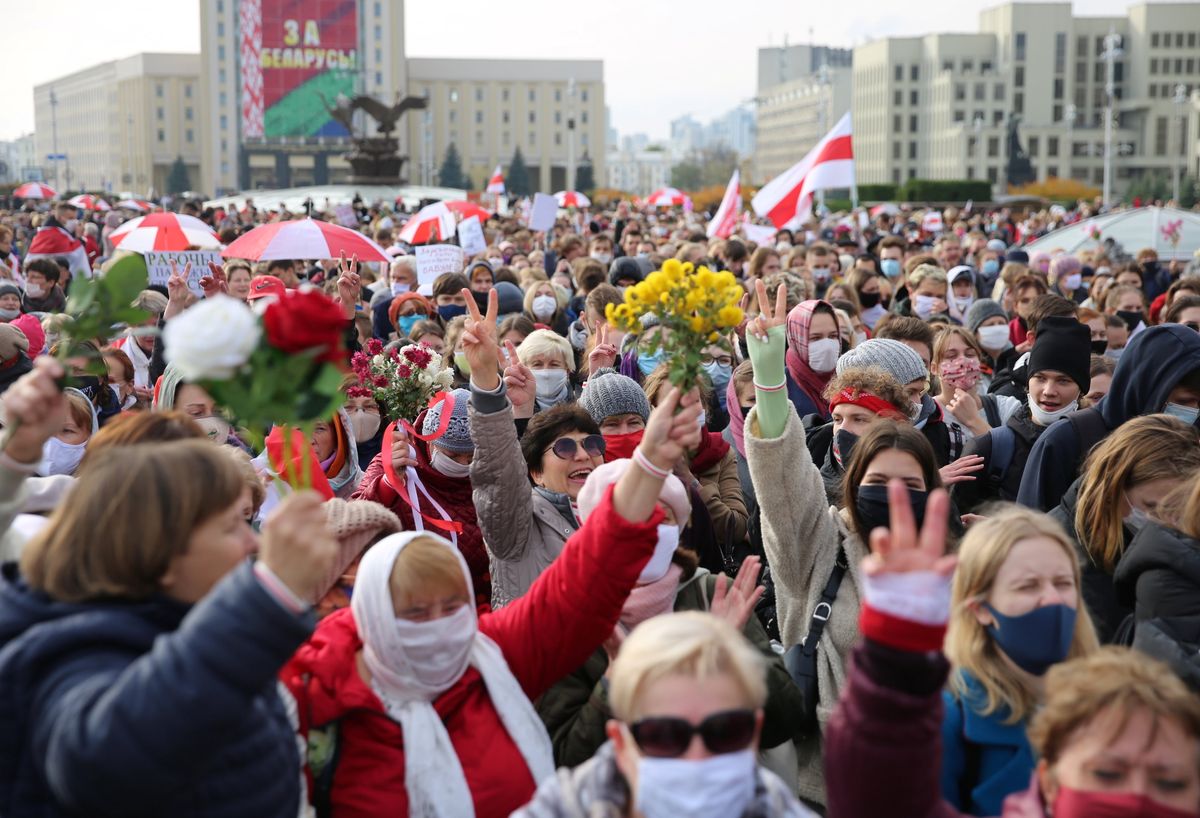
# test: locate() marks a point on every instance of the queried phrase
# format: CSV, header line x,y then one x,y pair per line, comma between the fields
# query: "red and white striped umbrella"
x,y
304,239
572,198
164,231
35,190
433,222
135,204
465,210
89,202
666,197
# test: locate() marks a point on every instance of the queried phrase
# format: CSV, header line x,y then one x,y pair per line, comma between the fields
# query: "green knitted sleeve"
x,y
767,359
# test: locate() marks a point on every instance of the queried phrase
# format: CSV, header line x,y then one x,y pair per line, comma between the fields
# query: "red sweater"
x,y
568,612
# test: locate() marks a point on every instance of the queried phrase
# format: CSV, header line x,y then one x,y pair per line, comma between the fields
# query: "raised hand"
x,y
349,285
479,342
520,383
735,603
215,283
670,435
298,546
961,470
35,406
604,354
768,316
178,294
401,453
900,548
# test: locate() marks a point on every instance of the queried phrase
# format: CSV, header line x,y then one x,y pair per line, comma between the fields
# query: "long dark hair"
x,y
885,434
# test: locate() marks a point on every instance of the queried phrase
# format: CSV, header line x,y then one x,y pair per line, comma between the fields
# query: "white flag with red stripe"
x,y
787,199
51,241
496,183
725,220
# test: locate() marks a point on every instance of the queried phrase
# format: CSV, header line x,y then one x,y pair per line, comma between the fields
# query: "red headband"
x,y
867,401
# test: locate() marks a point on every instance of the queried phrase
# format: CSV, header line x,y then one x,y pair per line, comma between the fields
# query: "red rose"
x,y
306,319
403,371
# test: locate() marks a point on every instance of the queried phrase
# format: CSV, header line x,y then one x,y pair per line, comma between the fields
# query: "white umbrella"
x,y
1170,232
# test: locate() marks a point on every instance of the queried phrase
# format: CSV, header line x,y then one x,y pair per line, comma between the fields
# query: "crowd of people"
x,y
922,540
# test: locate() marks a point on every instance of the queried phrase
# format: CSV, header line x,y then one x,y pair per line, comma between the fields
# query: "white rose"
x,y
211,340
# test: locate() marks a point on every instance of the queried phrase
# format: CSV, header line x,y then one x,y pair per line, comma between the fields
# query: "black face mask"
x,y
871,504
843,445
1098,347
87,384
1131,318
745,410
868,300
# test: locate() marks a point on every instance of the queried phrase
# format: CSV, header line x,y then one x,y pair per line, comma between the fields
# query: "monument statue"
x,y
386,117
1020,170
375,160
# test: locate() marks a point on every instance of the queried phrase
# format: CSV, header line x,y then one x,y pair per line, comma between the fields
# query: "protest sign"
x,y
545,208
470,236
435,259
158,265
346,216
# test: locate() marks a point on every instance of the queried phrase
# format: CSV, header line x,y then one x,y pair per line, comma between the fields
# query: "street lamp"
x,y
1180,100
571,133
1112,52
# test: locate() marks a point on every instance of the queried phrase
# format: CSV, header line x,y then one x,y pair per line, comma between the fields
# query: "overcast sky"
x,y
662,58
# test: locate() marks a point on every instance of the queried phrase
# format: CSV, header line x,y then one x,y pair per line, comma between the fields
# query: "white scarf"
x,y
433,775
141,363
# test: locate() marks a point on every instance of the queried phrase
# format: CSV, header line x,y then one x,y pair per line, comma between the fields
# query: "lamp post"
x,y
571,133
54,134
1112,51
1180,100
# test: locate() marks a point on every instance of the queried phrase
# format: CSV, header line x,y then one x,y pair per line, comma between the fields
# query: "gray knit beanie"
x,y
982,310
614,394
458,434
893,357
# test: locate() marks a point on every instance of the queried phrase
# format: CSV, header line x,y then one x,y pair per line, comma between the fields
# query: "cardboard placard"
x,y
346,216
435,259
545,209
158,265
470,236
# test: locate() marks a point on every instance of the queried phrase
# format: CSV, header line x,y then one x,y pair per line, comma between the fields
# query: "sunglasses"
x,y
665,737
565,447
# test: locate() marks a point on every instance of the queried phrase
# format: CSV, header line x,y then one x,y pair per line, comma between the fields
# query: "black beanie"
x,y
1064,345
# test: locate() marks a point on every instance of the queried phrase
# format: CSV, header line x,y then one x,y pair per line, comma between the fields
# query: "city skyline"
x,y
656,68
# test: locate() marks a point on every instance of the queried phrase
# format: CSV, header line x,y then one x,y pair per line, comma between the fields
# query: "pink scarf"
x,y
811,383
737,422
646,601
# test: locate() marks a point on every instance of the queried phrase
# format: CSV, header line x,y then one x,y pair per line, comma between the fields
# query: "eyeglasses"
x,y
665,737
723,360
565,447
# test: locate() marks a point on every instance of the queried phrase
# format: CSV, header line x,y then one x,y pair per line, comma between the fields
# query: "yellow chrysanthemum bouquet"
x,y
696,308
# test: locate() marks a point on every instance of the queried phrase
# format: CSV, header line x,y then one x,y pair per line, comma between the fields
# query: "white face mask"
x,y
656,569
399,288
439,650
823,354
963,303
859,337
1073,281
923,305
603,258
551,384
363,425
34,291
544,307
1043,418
993,337
60,458
715,787
447,465
217,428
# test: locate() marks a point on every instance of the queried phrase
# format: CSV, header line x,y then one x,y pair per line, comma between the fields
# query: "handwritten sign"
x,y
346,216
158,265
435,259
470,236
545,208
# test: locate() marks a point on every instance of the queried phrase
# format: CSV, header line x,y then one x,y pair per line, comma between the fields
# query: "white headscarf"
x,y
433,775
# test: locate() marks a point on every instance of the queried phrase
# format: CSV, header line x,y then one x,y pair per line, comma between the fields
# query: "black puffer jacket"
x,y
972,494
1159,577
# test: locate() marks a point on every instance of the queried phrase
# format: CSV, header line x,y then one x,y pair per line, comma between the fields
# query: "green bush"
x,y
945,190
877,193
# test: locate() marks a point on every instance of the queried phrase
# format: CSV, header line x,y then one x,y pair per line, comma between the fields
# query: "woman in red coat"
x,y
411,667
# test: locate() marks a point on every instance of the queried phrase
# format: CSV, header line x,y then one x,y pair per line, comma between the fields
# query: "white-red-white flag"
x,y
787,199
496,183
725,220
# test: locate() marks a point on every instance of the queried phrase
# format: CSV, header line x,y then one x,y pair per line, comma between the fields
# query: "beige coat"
x,y
523,530
722,493
801,533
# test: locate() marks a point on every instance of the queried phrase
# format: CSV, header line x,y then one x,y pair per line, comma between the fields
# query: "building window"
x,y
558,117
998,92
453,115
947,65
221,53
378,9
1080,72
1058,88
897,123
583,117
1179,39
162,135
378,32
968,66
997,117
1058,113
221,75
960,116
896,150
224,122
912,97
914,72
1019,44
960,91
1052,170
504,95
993,146
1154,39
479,95
532,95
970,171
378,54
532,138
479,139
1019,103
224,98
992,174
378,78
980,92
970,146
912,124
187,90
1052,146
1189,66
912,150
899,73
532,117
479,117
1153,90
583,95
895,176
1033,146
1191,39
1178,68
557,138
504,117
1160,136
1019,76
159,113
558,95
158,90
189,135
1060,52
1081,44
897,97
912,173
454,95
1153,65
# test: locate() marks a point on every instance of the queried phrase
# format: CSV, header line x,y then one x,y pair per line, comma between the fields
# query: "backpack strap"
x,y
1004,445
824,608
991,410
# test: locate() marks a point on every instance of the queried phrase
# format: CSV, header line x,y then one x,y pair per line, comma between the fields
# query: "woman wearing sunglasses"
x,y
687,693
524,525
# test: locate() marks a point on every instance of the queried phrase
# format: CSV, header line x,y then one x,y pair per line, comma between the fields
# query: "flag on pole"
x,y
496,183
787,199
725,220
52,240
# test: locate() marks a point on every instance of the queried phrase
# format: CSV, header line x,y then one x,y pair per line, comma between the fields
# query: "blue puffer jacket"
x,y
147,708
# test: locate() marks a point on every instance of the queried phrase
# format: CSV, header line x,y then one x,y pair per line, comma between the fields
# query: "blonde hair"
x,y
546,342
926,271
560,297
1115,680
968,645
80,410
1152,447
693,644
426,565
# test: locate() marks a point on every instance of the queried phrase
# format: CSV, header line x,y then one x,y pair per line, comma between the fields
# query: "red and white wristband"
x,y
648,467
906,611
775,388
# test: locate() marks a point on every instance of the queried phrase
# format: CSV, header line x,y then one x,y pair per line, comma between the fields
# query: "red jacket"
x,y
568,612
454,495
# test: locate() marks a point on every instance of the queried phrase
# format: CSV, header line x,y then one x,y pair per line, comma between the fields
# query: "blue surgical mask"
x,y
1187,414
451,311
890,267
719,374
405,323
1136,519
1036,640
991,266
648,361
